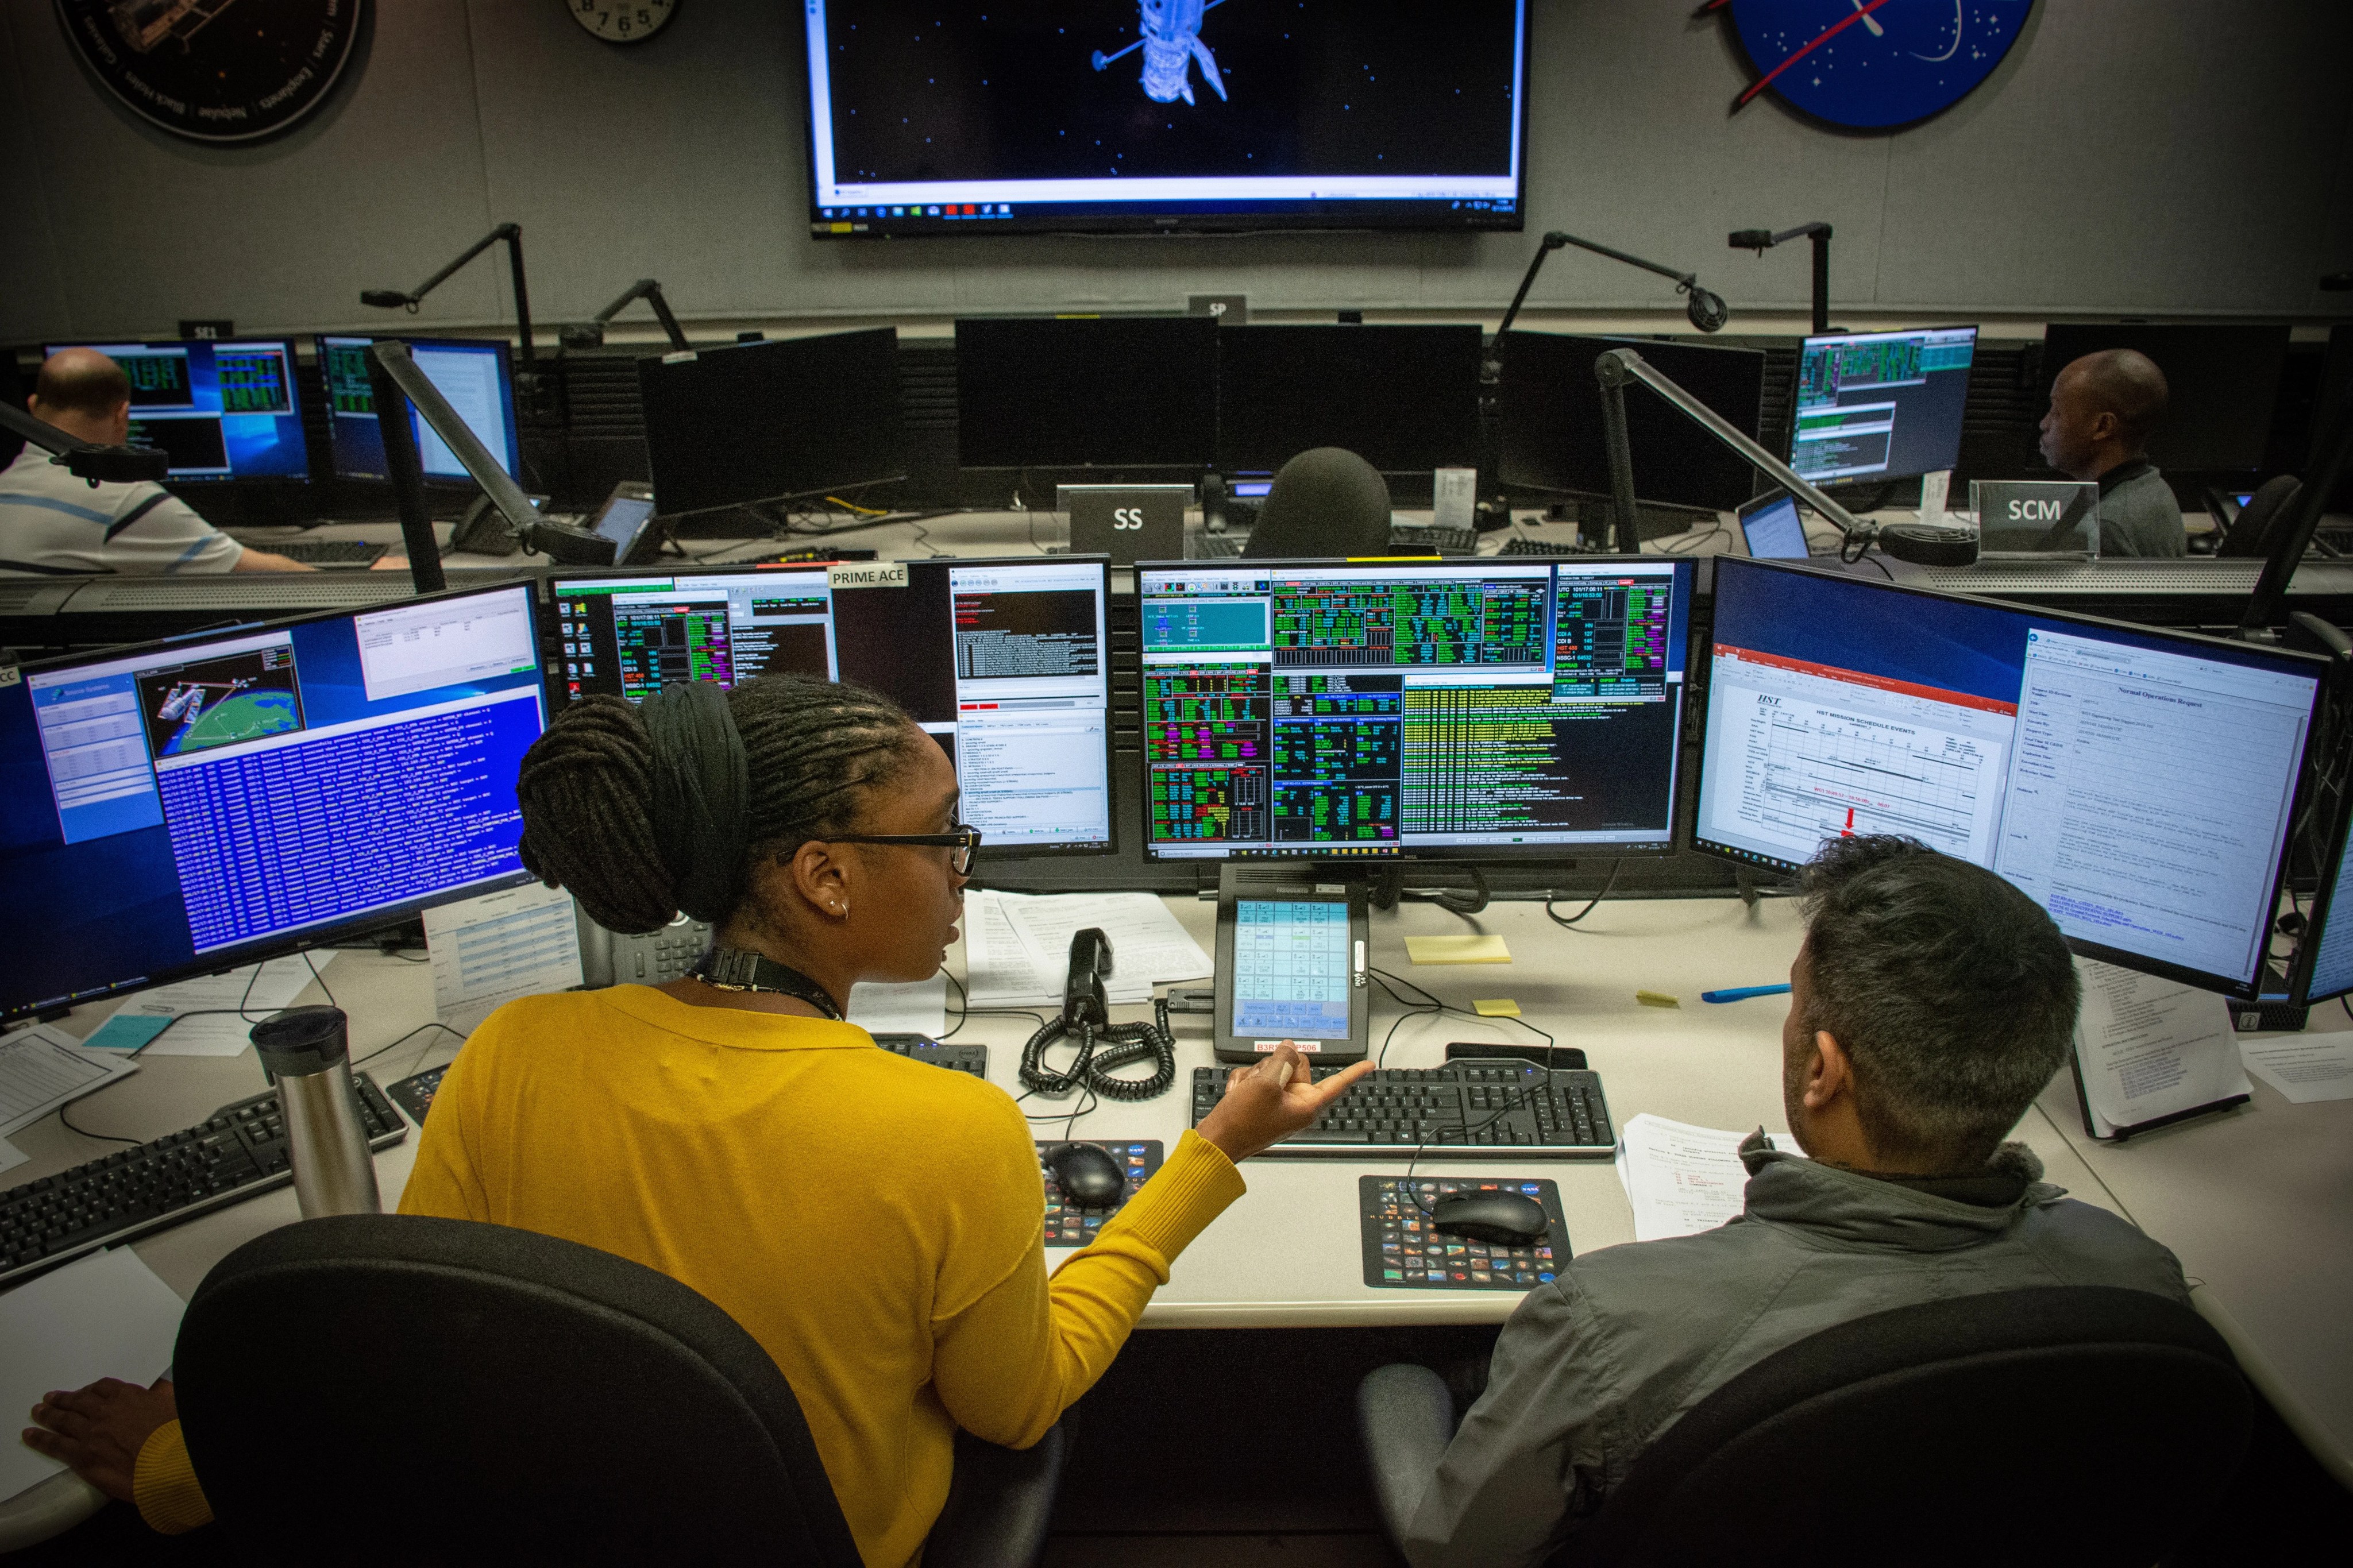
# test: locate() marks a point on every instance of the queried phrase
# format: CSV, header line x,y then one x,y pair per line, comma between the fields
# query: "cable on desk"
x,y
412,1033
966,1010
1551,898
1087,1104
86,1133
1104,1047
1432,1006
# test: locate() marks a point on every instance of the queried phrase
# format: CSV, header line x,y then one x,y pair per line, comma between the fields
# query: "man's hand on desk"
x,y
389,564
1267,1103
98,1430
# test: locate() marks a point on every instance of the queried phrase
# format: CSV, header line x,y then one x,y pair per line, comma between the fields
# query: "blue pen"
x,y
1743,993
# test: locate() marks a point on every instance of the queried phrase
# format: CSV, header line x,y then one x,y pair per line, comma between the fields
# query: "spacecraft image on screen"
x,y
1124,114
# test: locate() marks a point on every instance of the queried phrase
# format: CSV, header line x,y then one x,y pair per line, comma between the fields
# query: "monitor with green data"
x,y
217,409
476,375
2139,784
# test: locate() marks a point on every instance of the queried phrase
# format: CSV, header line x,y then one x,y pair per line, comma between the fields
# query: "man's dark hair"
x,y
1950,991
82,383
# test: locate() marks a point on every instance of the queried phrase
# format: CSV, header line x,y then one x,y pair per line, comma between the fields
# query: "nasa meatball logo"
x,y
217,71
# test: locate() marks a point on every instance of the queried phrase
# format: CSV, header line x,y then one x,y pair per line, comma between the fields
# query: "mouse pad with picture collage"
x,y
1403,1251
1067,1225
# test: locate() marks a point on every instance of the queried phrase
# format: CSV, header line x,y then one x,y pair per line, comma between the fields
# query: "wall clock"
x,y
217,71
622,21
1872,65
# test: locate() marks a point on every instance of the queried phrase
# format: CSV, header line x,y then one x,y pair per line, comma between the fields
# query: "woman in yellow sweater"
x,y
876,1224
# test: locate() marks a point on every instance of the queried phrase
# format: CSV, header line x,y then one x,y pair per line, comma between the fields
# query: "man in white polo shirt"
x,y
53,524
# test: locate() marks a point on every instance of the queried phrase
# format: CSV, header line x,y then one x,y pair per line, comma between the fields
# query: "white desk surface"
x,y
2255,1204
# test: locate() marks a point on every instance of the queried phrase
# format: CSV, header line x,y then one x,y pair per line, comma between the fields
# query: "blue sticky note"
x,y
127,1031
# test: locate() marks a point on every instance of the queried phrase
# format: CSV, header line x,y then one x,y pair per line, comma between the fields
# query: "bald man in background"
x,y
2103,407
53,524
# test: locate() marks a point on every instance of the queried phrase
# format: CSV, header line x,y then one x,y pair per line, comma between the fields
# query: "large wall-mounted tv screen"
x,y
999,116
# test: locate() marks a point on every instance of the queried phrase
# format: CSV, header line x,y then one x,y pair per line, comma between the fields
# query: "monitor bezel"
x,y
990,853
255,483
263,949
1858,481
1360,858
2246,990
458,482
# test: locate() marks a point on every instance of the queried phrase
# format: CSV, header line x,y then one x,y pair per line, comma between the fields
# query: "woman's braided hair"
x,y
813,749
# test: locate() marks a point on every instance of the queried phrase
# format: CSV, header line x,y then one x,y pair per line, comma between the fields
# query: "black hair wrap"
x,y
701,785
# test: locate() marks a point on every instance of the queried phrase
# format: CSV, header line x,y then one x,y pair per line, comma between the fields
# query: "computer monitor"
x,y
1087,392
1881,405
2323,970
1549,409
1772,529
1404,398
476,375
1471,709
2223,383
768,421
1006,662
2138,784
219,410
189,805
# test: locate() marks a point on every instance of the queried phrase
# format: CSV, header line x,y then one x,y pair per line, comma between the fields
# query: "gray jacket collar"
x,y
1850,1207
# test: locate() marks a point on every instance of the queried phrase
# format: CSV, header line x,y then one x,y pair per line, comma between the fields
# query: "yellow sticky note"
x,y
1457,949
1500,1007
1656,999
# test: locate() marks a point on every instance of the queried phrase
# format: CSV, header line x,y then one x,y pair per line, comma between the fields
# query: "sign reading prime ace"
x,y
2036,517
1128,522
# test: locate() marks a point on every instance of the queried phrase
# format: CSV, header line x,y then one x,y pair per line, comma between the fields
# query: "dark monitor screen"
x,y
219,410
1004,662
476,376
754,422
2139,784
2324,957
2223,383
192,805
1881,405
13,393
1550,408
1176,114
1087,392
1476,708
1400,397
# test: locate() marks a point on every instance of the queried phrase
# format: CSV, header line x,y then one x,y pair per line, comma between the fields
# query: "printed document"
x,y
521,941
2150,1047
106,1315
225,1008
43,1068
2304,1067
1681,1179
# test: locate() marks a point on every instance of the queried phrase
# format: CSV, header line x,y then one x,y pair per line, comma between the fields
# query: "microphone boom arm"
x,y
509,232
90,461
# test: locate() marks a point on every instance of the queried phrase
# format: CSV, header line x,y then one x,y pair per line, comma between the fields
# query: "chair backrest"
x,y
2085,1425
1325,502
382,1388
2249,533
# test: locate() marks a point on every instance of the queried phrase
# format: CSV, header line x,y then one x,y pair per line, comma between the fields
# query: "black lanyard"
x,y
733,969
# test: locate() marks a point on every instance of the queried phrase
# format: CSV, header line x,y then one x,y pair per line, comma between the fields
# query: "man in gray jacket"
x,y
1930,1003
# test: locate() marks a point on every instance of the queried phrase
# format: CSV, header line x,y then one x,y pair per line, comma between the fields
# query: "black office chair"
x,y
1325,502
2249,536
381,1389
2084,1425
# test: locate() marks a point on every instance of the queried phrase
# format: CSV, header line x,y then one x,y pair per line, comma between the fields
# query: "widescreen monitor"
x,y
1471,709
2323,969
1881,405
218,410
2139,784
1006,663
187,806
1171,114
1404,398
2222,385
769,421
476,375
1549,407
1045,392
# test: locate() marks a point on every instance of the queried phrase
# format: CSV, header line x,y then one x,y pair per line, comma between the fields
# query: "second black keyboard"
x,y
349,552
1456,1107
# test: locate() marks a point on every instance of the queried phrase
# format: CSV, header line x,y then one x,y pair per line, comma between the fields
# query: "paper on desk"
x,y
2151,1048
1681,1179
490,950
106,1315
918,1009
2304,1067
43,1067
226,1007
998,964
11,1155
1148,947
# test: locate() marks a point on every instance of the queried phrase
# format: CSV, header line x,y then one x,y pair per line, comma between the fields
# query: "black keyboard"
x,y
238,1152
1521,544
329,552
971,1059
1445,541
1390,1111
1215,546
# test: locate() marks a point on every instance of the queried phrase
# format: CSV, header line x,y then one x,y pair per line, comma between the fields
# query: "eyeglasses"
x,y
960,842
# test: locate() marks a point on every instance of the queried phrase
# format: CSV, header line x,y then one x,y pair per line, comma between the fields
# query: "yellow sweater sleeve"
x,y
163,1483
1007,1365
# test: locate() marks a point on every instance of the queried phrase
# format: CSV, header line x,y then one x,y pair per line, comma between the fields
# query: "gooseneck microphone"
x,y
1761,240
1706,310
534,392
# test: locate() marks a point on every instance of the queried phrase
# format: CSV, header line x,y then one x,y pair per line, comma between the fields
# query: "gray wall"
x,y
2139,156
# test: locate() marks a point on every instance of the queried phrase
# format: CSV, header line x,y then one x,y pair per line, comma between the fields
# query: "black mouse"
x,y
1088,1177
1508,1218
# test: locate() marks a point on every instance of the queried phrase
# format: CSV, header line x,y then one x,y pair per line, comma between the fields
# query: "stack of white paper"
x,y
488,950
44,1068
1017,946
918,1007
106,1315
1681,1179
2151,1048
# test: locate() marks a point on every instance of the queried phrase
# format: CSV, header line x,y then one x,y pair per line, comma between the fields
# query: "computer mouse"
x,y
1510,1218
1088,1177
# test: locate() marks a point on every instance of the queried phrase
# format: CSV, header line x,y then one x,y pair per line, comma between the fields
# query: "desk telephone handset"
x,y
1104,1047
